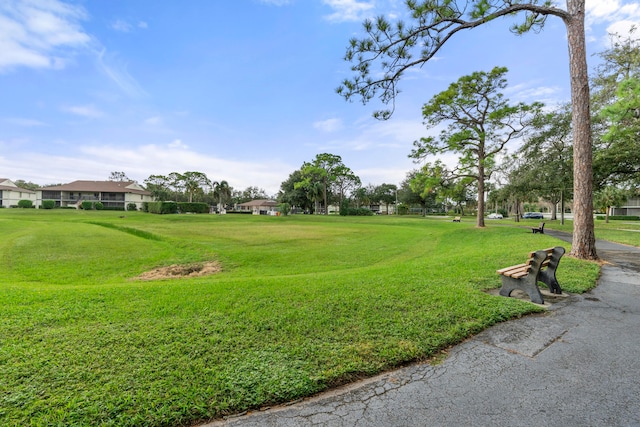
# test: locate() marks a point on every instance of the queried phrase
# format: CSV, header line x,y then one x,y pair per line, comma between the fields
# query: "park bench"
x,y
456,219
540,267
538,229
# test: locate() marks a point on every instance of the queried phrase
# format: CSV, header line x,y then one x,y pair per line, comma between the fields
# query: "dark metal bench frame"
x,y
538,229
540,267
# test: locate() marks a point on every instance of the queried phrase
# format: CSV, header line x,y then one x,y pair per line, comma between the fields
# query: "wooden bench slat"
x,y
525,277
520,270
513,267
519,275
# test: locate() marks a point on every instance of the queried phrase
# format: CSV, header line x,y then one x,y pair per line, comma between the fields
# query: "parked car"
x,y
494,216
533,215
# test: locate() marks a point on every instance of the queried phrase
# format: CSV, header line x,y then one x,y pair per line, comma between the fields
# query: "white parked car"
x,y
494,216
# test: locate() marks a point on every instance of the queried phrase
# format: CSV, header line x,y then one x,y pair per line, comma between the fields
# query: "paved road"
x,y
576,365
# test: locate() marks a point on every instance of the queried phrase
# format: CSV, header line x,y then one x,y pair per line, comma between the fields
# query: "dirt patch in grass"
x,y
178,271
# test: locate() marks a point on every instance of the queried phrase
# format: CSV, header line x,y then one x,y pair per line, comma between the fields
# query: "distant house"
x,y
11,194
112,194
631,207
258,207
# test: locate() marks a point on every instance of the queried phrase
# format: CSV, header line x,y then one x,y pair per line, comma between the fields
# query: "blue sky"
x,y
242,90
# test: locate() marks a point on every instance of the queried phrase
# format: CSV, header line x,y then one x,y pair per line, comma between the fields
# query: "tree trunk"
x,y
480,221
584,242
562,207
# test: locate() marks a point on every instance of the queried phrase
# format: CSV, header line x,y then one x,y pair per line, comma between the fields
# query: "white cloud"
x,y
348,10
329,125
24,122
96,163
623,28
117,71
618,15
88,111
122,26
153,121
601,9
178,144
39,34
531,92
125,27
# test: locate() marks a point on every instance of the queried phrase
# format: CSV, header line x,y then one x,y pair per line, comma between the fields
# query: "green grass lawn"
x,y
303,303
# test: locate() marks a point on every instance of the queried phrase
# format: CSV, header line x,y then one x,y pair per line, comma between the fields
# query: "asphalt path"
x,y
578,364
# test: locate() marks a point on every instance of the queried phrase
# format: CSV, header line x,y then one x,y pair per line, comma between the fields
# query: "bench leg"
x,y
527,284
548,276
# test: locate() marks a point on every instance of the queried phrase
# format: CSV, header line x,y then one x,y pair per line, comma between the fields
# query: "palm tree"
x,y
222,192
194,181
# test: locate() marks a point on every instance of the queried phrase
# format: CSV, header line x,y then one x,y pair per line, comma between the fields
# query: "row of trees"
x,y
542,168
197,187
327,181
388,50
564,156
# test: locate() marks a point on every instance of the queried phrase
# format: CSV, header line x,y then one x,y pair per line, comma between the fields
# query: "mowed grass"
x,y
303,303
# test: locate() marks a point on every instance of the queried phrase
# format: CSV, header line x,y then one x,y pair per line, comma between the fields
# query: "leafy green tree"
x,y
547,159
193,182
176,183
119,177
519,185
295,196
618,161
620,62
27,185
412,195
480,124
248,194
608,197
159,186
399,47
432,183
362,196
616,103
325,170
387,194
222,192
345,182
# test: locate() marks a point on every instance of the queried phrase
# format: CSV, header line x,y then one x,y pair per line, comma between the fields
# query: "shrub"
x,y
356,212
619,217
48,204
284,208
186,207
87,205
162,207
98,206
145,207
27,204
132,207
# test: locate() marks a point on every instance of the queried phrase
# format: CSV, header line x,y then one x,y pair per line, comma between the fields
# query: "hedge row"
x,y
186,207
173,207
356,212
160,207
620,217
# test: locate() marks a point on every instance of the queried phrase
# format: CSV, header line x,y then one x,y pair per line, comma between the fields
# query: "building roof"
x,y
258,203
100,187
7,184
